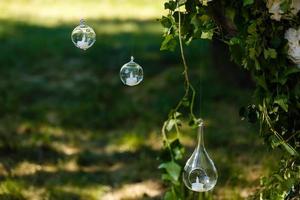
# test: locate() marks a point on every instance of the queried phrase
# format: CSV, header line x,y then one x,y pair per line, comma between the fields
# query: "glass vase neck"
x,y
200,135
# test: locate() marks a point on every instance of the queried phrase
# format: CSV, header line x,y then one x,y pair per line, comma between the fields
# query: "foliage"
x,y
11,190
282,183
257,43
68,125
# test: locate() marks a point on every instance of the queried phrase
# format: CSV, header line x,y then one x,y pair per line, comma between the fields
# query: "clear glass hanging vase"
x,y
83,36
131,73
200,173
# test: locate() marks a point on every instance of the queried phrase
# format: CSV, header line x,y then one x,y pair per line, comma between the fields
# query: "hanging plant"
x,y
263,38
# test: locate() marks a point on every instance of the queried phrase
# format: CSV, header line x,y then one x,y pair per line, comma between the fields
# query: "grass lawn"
x,y
70,130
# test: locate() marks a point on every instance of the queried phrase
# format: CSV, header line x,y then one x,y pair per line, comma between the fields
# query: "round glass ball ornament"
x,y
131,73
83,36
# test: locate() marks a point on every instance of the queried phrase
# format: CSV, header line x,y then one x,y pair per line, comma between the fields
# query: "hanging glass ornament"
x,y
83,36
200,173
131,73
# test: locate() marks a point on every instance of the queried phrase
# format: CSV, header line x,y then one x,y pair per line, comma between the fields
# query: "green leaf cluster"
x,y
258,45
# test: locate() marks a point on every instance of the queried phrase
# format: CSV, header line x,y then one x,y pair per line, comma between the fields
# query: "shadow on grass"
x,y
88,158
38,154
45,80
133,167
51,80
58,194
10,197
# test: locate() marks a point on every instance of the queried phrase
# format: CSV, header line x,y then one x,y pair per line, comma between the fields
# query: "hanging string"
x,y
132,43
201,98
132,39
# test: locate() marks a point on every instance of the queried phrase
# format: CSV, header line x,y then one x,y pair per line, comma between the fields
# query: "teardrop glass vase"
x,y
200,173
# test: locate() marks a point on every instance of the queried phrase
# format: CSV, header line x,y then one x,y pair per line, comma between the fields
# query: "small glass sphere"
x,y
131,73
83,36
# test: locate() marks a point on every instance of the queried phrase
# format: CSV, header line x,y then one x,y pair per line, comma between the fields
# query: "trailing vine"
x,y
174,148
263,37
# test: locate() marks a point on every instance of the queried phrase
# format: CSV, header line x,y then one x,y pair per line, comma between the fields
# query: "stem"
x,y
296,133
166,139
176,126
279,137
188,85
185,72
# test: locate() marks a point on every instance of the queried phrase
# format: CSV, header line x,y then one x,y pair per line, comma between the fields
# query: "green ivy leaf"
x,y
275,142
278,177
171,5
270,53
172,168
290,71
230,14
167,177
169,43
169,196
248,2
181,2
170,124
207,35
252,53
177,114
282,101
166,22
178,152
285,5
235,40
204,18
289,149
252,28
261,82
177,149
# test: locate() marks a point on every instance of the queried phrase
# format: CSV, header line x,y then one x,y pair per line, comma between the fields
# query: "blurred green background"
x,y
70,130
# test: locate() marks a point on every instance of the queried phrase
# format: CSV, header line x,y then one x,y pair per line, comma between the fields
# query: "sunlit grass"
x,y
53,12
116,27
140,190
11,188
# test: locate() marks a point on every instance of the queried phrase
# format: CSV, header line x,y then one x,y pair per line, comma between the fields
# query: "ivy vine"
x,y
257,33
